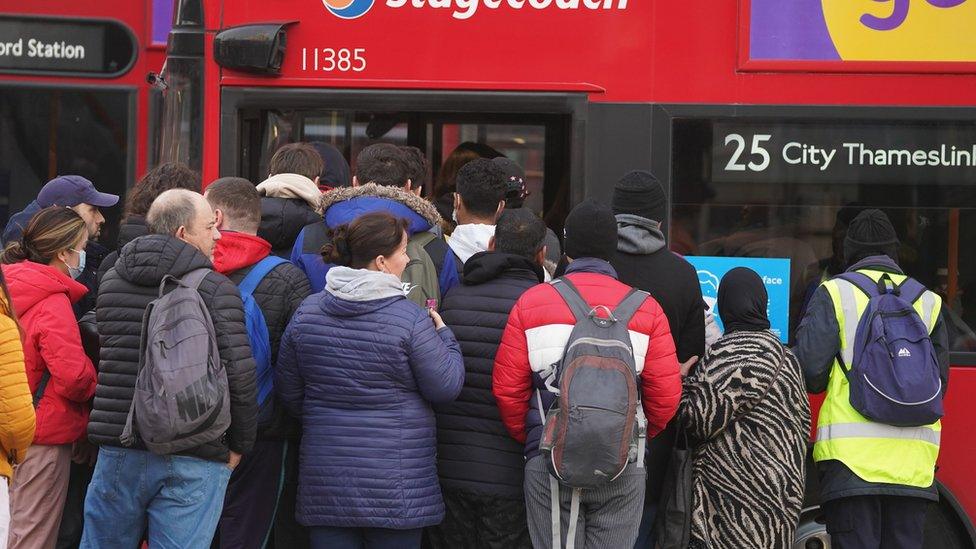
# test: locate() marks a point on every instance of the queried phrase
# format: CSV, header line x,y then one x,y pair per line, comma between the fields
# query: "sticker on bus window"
x,y
775,273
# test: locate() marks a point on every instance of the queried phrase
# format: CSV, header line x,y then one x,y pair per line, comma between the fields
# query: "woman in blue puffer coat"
x,y
360,365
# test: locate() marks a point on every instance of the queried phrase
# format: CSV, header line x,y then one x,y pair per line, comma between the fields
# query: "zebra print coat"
x,y
748,471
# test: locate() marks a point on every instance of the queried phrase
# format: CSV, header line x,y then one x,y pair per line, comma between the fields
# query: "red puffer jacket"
x,y
536,336
42,298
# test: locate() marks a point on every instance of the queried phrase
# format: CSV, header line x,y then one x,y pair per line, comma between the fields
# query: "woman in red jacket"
x,y
40,269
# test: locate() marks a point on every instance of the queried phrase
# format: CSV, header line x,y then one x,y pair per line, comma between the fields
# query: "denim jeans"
x,y
175,499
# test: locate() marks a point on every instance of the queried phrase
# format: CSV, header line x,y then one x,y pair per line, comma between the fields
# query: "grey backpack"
x,y
596,426
181,399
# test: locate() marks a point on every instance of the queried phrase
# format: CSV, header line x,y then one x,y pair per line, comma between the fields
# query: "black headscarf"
x,y
742,301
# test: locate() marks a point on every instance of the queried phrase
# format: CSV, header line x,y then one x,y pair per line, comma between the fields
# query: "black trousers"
x,y
876,522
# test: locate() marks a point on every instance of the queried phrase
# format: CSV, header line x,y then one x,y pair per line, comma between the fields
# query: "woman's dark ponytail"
x,y
368,236
14,253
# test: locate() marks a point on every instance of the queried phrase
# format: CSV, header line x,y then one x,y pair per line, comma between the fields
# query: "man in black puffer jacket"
x,y
248,511
644,261
480,465
180,496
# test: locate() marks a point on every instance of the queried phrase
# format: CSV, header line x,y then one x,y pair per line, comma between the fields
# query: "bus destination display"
x,y
57,46
843,152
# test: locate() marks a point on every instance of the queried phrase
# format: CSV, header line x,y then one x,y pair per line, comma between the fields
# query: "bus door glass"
x,y
539,144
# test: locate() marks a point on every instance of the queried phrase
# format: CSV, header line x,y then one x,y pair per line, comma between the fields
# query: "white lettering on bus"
x,y
47,50
465,9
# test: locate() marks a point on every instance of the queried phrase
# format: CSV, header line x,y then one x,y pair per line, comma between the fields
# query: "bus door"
x,y
541,142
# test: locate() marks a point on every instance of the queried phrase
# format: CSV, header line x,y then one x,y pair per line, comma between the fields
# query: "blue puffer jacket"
x,y
361,365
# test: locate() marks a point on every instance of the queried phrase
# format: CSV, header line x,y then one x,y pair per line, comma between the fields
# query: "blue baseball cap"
x,y
71,190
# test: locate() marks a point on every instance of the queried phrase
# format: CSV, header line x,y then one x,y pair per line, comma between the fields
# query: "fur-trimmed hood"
x,y
344,204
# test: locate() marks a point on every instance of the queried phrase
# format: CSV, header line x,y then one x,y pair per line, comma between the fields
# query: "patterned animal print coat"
x,y
748,445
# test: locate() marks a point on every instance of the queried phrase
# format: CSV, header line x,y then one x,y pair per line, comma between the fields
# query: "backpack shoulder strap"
x,y
629,305
567,290
911,290
861,281
257,274
194,278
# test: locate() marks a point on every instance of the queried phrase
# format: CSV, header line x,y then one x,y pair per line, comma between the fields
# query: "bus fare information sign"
x,y
65,46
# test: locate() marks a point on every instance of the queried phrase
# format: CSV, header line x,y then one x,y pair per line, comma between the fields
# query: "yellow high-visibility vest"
x,y
875,452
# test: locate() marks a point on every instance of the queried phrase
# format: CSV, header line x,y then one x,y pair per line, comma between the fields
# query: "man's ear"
x,y
219,219
499,209
457,201
355,181
491,244
408,186
540,256
181,233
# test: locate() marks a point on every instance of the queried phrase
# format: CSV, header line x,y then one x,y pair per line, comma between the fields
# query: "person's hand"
x,y
436,317
84,453
234,460
686,366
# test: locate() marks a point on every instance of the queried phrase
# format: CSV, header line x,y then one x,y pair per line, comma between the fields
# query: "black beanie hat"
x,y
590,231
870,233
640,193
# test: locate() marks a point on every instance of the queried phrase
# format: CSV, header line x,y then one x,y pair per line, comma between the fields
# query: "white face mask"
x,y
75,272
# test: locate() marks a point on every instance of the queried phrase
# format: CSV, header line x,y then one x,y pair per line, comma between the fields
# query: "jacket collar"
x,y
877,263
487,266
469,239
591,265
236,250
30,283
421,207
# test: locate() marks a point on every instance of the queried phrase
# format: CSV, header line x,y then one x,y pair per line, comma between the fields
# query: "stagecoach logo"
x,y
348,9
464,9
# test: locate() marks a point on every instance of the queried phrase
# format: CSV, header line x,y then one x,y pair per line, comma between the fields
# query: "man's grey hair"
x,y
171,210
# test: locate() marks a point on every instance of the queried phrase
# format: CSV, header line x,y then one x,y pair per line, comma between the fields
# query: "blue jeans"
x,y
177,499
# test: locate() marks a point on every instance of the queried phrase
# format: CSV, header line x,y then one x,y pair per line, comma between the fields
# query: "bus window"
x,y
536,146
45,132
780,211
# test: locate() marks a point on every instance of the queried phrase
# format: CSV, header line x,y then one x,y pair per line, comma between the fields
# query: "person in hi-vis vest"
x,y
876,479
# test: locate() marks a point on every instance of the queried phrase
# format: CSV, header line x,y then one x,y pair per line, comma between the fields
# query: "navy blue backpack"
x,y
895,377
257,332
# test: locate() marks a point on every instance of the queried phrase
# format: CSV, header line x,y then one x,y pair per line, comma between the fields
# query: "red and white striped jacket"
x,y
535,337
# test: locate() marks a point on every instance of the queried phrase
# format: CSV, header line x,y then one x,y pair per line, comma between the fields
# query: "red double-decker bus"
x,y
766,120
73,94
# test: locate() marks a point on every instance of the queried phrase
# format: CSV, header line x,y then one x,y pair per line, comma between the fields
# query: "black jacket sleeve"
x,y
227,312
940,340
818,341
691,340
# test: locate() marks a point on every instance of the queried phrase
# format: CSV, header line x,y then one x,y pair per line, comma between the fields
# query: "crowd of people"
x,y
329,359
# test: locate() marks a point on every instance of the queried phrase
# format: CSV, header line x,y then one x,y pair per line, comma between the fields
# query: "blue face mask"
x,y
75,272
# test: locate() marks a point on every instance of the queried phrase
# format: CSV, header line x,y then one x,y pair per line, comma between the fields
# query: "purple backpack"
x,y
895,376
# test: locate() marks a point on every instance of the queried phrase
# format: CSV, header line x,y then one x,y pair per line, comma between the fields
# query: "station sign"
x,y
63,46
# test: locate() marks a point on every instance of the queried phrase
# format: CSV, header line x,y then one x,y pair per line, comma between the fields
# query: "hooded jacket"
x,y
343,205
42,297
536,336
131,228
16,408
278,295
124,293
644,261
474,452
361,365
